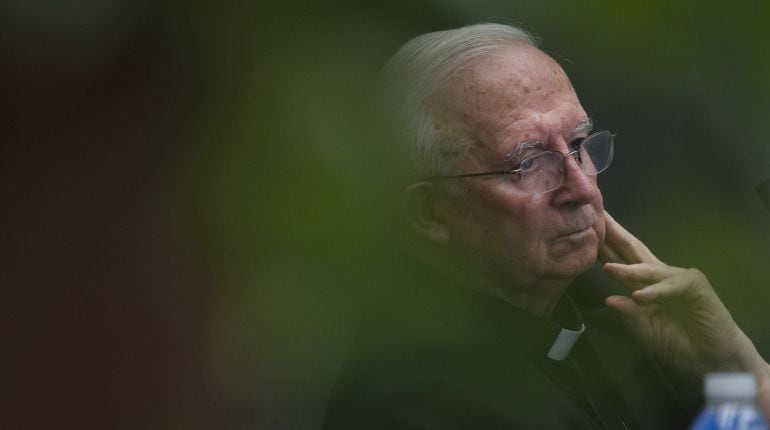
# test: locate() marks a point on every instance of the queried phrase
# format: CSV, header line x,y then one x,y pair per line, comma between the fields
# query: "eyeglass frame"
x,y
518,169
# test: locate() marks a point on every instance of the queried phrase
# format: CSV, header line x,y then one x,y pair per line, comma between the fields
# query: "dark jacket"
x,y
445,357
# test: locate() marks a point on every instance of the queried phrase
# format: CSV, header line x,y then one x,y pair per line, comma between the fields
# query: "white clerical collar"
x,y
564,342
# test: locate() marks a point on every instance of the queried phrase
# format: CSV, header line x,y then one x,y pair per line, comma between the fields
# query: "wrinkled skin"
x,y
527,247
677,314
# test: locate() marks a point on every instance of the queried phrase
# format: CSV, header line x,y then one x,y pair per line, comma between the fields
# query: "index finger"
x,y
620,246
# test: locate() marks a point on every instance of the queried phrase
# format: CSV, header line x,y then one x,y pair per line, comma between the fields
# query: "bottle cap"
x,y
730,386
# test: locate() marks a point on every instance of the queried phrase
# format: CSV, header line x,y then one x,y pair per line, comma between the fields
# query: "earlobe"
x,y
424,213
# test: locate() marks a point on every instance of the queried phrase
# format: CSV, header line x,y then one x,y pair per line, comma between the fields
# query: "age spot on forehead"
x,y
507,87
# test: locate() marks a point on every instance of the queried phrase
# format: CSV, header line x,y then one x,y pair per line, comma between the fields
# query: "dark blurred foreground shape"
x,y
104,288
193,193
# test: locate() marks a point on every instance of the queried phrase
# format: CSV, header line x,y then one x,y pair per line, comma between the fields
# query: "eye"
x,y
575,144
528,164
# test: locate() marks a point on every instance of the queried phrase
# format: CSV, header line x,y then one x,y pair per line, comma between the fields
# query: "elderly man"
x,y
507,214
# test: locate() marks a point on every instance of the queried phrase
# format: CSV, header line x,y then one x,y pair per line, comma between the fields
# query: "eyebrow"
x,y
583,126
524,146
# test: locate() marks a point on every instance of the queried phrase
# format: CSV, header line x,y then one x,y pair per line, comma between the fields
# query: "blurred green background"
x,y
196,192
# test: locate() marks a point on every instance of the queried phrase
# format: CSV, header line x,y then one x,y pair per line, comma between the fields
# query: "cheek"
x,y
527,221
601,227
532,211
601,230
508,217
490,200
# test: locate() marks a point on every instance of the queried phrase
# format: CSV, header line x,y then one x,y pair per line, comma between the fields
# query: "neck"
x,y
538,296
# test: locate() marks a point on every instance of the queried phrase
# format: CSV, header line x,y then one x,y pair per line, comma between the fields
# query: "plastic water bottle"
x,y
730,404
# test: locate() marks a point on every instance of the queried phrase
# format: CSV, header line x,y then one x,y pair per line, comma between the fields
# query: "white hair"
x,y
418,72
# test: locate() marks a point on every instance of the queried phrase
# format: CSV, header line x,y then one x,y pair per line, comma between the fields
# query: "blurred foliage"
x,y
684,87
274,170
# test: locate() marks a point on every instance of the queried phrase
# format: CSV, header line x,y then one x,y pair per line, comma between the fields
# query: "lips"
x,y
574,233
578,226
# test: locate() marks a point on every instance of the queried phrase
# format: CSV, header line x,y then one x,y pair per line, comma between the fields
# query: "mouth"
x,y
578,225
576,234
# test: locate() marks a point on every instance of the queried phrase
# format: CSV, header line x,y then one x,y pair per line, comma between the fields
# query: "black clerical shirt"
x,y
446,357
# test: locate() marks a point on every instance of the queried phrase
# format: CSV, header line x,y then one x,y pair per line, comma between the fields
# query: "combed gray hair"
x,y
417,73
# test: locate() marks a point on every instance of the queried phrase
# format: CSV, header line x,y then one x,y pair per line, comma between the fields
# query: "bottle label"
x,y
730,417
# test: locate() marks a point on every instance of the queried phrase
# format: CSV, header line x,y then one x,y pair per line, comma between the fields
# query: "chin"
x,y
574,262
571,271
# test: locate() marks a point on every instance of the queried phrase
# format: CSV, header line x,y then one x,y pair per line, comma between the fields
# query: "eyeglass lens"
x,y
544,172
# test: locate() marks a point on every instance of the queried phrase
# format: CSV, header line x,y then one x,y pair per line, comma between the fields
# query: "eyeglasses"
x,y
544,172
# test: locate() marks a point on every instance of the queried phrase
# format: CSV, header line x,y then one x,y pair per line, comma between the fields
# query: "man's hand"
x,y
676,313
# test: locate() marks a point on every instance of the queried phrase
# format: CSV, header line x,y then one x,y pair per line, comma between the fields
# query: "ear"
x,y
424,212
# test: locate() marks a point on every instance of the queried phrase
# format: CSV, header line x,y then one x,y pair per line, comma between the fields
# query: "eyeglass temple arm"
x,y
510,172
469,175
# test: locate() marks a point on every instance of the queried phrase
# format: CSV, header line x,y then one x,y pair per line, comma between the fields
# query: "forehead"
x,y
514,94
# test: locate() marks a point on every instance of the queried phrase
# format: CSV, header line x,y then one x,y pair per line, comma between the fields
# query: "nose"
x,y
577,187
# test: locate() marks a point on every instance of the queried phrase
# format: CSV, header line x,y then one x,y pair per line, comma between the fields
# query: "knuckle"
x,y
697,279
695,274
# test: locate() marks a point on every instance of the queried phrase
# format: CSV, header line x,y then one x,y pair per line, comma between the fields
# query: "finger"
x,y
688,284
639,275
608,255
623,246
620,246
629,310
